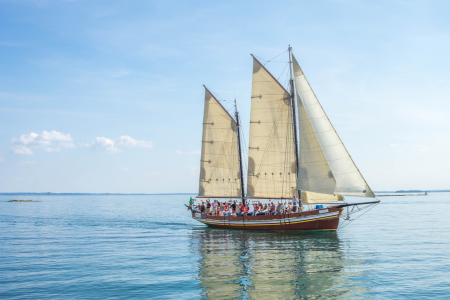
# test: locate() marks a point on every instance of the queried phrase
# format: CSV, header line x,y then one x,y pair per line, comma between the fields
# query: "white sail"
x,y
219,165
271,161
325,165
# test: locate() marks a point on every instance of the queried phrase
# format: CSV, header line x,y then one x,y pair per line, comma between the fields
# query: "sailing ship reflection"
x,y
270,265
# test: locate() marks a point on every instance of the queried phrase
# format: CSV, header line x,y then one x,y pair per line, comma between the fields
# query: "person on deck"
x,y
279,209
208,207
295,204
246,210
214,208
233,207
272,208
202,208
255,209
219,207
222,208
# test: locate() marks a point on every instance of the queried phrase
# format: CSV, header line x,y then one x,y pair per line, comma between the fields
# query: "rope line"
x,y
350,221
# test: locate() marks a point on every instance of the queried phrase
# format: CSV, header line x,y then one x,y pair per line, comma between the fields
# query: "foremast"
x,y
241,171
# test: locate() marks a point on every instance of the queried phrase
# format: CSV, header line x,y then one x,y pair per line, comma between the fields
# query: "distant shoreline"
x,y
161,194
90,194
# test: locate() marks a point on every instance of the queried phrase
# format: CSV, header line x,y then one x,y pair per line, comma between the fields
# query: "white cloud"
x,y
192,152
50,141
125,169
102,143
115,145
2,159
127,141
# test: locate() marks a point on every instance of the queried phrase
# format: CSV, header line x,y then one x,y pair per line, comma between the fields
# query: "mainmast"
x,y
240,153
294,117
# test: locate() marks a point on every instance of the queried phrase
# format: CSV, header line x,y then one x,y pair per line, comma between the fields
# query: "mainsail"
x,y
325,166
271,158
219,165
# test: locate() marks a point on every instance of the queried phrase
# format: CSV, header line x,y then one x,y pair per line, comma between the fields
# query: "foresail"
x,y
271,156
219,165
325,165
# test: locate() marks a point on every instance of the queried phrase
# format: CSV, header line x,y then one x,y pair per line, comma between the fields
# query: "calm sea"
x,y
117,247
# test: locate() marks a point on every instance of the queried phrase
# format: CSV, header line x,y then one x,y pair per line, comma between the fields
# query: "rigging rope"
x,y
275,57
368,209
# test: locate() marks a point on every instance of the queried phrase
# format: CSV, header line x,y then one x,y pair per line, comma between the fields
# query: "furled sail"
x,y
271,156
219,165
312,198
325,165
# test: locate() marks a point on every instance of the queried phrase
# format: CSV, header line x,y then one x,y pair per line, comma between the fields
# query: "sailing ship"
x,y
316,167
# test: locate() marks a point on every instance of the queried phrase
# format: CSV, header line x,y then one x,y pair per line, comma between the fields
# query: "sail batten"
x,y
325,165
219,163
271,158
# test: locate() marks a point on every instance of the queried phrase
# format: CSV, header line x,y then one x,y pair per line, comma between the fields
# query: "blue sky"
x,y
107,96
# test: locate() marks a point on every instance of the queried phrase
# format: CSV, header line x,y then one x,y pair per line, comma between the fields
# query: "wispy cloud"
x,y
192,152
2,159
125,169
49,141
115,145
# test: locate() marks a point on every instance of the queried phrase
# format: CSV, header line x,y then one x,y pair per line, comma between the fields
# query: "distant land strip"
x,y
91,194
142,194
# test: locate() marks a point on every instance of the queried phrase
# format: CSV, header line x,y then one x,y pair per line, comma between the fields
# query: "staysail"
x,y
271,158
325,166
219,164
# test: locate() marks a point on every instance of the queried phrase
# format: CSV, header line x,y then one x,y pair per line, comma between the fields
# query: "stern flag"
x,y
191,201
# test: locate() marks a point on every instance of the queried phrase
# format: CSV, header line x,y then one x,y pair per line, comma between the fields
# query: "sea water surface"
x,y
148,247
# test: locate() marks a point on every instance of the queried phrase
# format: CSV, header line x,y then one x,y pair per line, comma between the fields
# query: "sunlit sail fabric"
x,y
311,198
219,165
271,156
325,165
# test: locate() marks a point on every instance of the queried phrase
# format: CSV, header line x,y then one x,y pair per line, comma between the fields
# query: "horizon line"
x,y
82,193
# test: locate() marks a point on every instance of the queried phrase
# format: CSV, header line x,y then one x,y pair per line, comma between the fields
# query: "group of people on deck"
x,y
218,208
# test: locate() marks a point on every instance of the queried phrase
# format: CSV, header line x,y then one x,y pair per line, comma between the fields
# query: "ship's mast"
x,y
294,117
240,153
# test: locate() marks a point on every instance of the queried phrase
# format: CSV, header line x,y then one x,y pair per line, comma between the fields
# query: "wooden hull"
x,y
323,219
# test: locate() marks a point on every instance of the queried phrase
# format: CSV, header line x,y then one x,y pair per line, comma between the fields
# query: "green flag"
x,y
191,201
